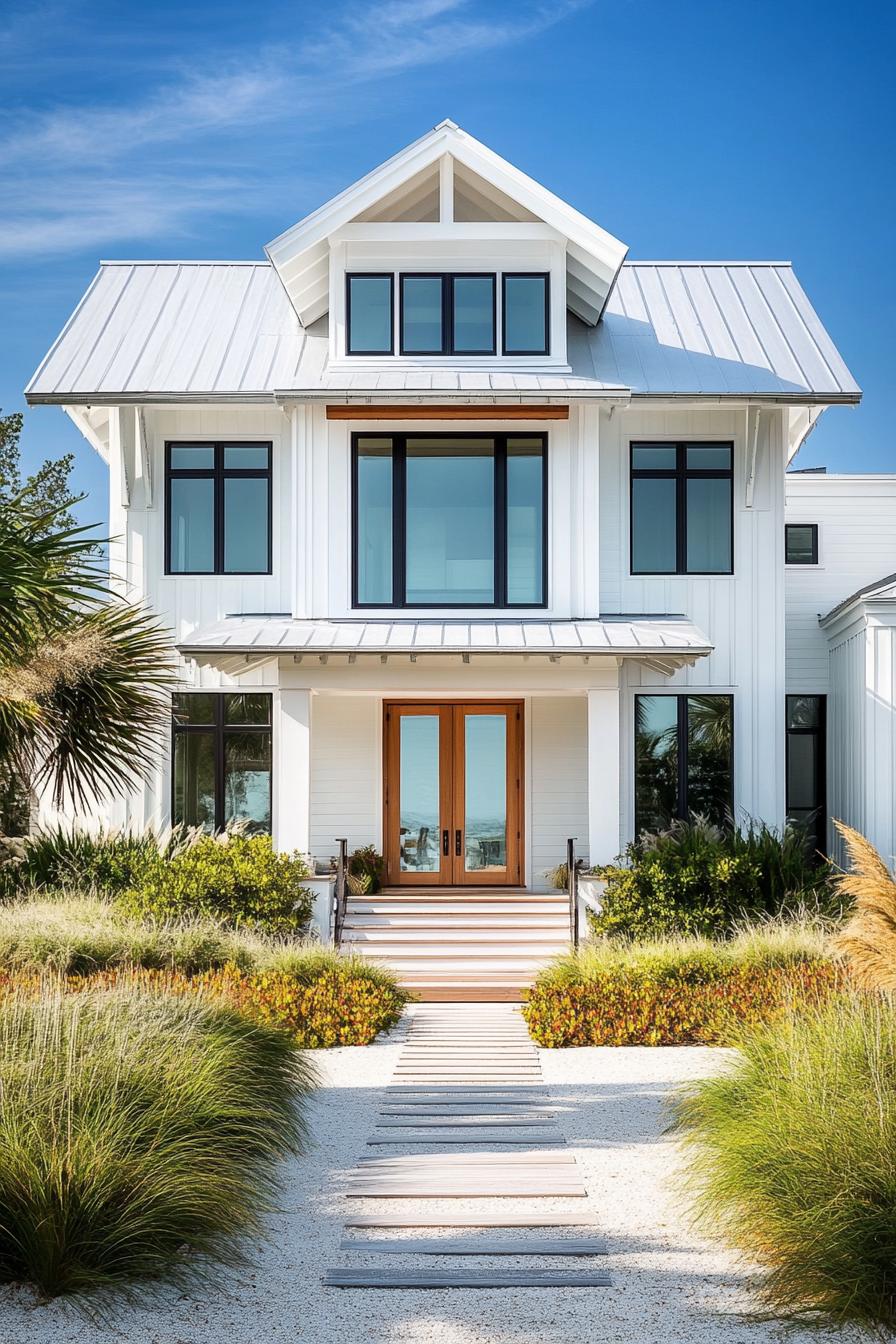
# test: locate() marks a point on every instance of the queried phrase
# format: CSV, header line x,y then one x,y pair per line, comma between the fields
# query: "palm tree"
x,y
85,676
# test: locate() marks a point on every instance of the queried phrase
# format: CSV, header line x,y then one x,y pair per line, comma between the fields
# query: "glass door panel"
x,y
485,792
419,807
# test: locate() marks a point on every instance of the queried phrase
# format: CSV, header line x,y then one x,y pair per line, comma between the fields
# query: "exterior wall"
x,y
557,781
856,517
346,772
742,613
862,733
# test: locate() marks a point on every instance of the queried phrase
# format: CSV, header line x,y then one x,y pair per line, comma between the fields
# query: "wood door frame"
x,y
451,785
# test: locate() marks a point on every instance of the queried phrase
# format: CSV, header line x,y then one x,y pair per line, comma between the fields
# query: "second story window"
x,y
526,306
449,520
801,543
369,315
682,508
447,314
218,508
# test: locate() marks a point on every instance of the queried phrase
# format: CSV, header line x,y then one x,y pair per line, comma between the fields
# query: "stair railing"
x,y
340,891
572,887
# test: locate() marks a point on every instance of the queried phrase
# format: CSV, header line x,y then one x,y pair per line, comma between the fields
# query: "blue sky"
x,y
688,129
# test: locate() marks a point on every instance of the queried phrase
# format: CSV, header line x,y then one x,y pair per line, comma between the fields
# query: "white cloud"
x,y
79,177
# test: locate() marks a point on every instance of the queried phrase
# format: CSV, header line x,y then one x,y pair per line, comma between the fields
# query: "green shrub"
x,y
678,992
69,857
366,869
235,879
139,1136
697,879
794,1161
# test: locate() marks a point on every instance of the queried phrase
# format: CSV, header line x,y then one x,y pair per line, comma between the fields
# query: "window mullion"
x,y
448,314
500,596
399,522
218,508
219,762
681,509
682,808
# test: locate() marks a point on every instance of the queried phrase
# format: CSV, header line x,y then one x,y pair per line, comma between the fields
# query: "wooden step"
x,y
390,1278
409,1220
453,934
560,922
579,1246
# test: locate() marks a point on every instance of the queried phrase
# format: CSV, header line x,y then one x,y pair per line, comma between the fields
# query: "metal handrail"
x,y
572,885
340,893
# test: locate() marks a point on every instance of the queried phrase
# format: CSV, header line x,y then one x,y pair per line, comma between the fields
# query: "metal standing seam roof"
x,y
883,590
667,637
162,331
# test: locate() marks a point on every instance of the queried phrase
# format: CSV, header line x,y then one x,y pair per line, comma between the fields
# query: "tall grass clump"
x,y
139,1136
793,1154
868,940
70,857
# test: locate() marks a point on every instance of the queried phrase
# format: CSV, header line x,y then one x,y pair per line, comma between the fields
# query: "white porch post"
x,y
604,767
292,756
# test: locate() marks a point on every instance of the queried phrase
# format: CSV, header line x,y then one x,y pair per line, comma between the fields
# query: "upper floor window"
x,y
801,543
682,506
526,311
218,508
447,314
369,314
449,520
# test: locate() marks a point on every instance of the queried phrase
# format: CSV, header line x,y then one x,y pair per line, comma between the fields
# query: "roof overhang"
x,y
301,254
875,603
242,643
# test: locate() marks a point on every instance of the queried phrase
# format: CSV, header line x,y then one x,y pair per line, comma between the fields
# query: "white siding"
x,y
856,517
742,613
846,737
346,772
557,777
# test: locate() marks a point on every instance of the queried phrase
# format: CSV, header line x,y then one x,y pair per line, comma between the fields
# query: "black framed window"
x,y
684,756
221,759
806,768
370,313
217,508
682,508
449,520
526,308
801,543
447,314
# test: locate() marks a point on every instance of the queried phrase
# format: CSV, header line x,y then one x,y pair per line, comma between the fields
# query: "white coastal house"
x,y
472,535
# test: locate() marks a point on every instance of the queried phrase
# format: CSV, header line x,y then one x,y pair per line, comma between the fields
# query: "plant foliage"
x,y
696,878
868,940
139,1135
793,1153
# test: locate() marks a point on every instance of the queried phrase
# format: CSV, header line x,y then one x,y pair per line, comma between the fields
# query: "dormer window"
x,y
447,314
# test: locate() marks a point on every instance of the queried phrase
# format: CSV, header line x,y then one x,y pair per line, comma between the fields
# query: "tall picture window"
x,y
683,759
806,771
450,520
682,508
218,508
221,760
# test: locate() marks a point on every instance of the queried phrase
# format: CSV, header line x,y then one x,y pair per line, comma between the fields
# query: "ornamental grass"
x,y
140,1134
793,1159
868,940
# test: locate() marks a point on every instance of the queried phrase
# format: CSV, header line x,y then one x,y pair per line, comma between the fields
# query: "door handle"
x,y
457,847
445,843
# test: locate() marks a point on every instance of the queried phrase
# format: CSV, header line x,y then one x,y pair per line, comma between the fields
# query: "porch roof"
x,y
667,642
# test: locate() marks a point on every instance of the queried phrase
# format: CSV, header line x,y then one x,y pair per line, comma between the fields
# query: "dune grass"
x,y
794,1160
868,940
139,1136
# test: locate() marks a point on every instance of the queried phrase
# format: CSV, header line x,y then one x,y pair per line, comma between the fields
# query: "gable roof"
x,y
882,593
301,254
206,331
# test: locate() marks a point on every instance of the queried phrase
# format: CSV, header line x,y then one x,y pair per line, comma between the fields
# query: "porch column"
x,y
604,766
292,764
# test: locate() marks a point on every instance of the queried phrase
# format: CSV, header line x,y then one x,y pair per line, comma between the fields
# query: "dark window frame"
x,y
218,474
680,474
399,541
369,275
681,808
813,528
526,275
447,279
219,730
819,731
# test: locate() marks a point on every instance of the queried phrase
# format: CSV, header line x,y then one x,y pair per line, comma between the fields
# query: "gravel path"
x,y
667,1285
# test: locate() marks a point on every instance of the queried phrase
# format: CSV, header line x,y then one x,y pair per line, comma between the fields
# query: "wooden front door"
x,y
453,793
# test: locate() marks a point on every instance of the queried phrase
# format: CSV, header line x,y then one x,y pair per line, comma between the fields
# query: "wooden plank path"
x,y
468,1090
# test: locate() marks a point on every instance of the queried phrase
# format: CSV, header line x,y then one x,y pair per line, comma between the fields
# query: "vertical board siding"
x,y
557,781
847,737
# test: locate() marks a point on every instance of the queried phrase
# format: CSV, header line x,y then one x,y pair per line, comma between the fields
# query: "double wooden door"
x,y
453,793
